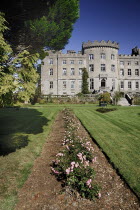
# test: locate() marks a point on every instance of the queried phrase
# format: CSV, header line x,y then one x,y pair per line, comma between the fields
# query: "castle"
x,y
61,74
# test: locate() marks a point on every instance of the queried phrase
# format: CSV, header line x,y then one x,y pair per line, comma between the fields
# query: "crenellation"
x,y
128,56
101,43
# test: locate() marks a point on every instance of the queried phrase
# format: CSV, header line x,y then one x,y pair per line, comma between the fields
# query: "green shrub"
x,y
136,100
105,97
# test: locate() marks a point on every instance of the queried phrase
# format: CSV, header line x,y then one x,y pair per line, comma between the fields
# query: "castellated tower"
x,y
103,58
108,71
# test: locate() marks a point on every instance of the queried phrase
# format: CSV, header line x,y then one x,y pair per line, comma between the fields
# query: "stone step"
x,y
123,102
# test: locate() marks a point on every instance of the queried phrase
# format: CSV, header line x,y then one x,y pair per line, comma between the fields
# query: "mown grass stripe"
x,y
118,135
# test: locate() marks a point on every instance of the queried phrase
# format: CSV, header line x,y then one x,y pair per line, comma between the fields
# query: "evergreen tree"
x,y
27,75
36,24
17,74
6,71
84,81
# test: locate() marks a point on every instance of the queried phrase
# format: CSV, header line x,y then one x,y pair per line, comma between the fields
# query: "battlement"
x,y
128,56
102,43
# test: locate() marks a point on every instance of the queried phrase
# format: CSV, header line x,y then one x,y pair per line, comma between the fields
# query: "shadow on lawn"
x,y
15,125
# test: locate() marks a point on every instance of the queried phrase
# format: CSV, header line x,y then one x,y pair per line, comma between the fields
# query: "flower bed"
x,y
72,165
104,110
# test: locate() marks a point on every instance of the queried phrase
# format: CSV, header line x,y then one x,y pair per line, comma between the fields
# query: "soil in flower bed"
x,y
104,110
43,192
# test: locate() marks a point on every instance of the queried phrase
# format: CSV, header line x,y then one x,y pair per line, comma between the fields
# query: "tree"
x,y
40,23
6,71
34,25
84,81
17,74
27,75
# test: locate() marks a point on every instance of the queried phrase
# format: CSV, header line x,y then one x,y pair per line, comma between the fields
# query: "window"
x,y
64,84
51,85
137,72
64,71
91,56
102,67
80,62
112,67
112,57
113,83
72,84
122,84
136,63
91,84
129,85
137,85
80,71
51,61
51,71
72,71
122,72
103,56
91,67
80,84
129,63
72,62
129,72
121,63
64,62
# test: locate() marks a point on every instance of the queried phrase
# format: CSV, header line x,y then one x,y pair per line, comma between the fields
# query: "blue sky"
x,y
115,20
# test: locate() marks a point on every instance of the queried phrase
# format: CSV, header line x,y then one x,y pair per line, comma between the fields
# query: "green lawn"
x,y
22,135
118,134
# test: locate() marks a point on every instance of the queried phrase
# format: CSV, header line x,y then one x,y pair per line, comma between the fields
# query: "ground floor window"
x,y
72,84
80,71
129,84
122,84
80,84
64,84
137,85
91,84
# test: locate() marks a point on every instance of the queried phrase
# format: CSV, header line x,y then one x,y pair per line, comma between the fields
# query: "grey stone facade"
x,y
61,74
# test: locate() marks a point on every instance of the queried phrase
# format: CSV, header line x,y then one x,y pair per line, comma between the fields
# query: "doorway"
x,y
103,83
